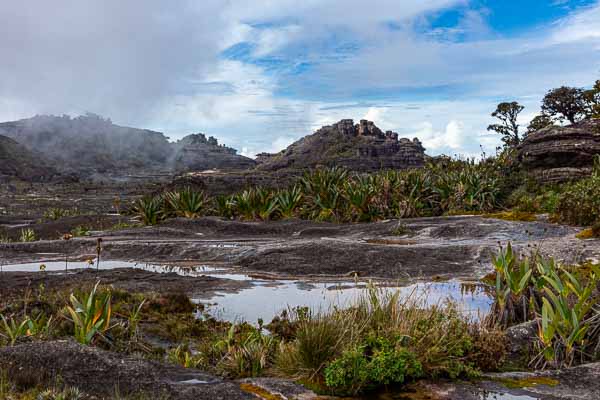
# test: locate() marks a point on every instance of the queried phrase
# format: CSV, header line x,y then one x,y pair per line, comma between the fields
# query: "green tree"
x,y
539,122
565,103
508,127
591,99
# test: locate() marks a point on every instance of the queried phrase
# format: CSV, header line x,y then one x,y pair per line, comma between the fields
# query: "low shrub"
x,y
579,204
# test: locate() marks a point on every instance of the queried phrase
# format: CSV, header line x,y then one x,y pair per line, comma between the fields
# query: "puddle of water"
x,y
193,382
59,266
504,396
267,300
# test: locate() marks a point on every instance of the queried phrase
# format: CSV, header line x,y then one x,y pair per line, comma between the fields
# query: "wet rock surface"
x,y
429,248
130,279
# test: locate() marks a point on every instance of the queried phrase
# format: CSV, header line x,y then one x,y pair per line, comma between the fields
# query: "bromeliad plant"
x,y
187,203
149,210
90,315
13,330
561,298
569,325
512,287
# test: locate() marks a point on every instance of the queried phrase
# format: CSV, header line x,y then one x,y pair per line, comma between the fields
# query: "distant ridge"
x,y
89,144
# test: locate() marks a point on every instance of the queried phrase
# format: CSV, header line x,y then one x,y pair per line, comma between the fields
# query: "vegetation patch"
x,y
513,216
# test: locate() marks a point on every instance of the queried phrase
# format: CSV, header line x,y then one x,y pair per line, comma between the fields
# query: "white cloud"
x,y
152,64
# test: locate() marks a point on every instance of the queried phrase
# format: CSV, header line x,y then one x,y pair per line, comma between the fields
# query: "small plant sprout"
x,y
28,235
90,262
42,267
66,237
13,330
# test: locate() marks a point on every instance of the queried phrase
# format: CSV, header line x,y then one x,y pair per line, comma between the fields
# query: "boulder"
x,y
561,153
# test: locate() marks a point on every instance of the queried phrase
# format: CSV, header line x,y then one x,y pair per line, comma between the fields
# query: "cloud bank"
x,y
260,74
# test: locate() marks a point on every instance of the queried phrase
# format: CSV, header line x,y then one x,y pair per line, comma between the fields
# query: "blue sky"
x,y
259,75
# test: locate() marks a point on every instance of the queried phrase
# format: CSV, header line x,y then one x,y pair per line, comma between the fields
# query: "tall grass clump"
x,y
383,340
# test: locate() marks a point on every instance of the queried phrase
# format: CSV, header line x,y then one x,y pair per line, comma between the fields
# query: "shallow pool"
x,y
268,298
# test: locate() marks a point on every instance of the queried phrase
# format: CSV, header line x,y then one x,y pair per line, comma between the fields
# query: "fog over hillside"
x,y
91,143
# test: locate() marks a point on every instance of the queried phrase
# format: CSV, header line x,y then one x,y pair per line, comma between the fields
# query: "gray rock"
x,y
102,373
561,153
520,340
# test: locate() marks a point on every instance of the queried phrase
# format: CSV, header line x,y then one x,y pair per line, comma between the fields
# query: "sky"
x,y
261,74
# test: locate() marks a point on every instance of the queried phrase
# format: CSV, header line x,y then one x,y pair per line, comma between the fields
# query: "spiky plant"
x,y
149,210
289,201
90,315
187,203
28,235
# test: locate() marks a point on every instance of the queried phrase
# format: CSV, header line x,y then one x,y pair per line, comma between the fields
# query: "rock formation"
x,y
359,147
560,153
18,162
196,152
89,145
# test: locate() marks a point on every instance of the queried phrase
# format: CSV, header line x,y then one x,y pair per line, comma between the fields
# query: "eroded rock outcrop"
x,y
197,152
561,153
359,147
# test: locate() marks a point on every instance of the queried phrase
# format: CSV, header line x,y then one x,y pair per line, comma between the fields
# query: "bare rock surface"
x,y
102,373
130,279
560,153
428,248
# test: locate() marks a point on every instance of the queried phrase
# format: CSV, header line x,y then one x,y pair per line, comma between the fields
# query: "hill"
x,y
90,144
359,147
18,162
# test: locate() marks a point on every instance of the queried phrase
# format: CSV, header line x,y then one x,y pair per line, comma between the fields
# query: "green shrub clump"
x,y
579,204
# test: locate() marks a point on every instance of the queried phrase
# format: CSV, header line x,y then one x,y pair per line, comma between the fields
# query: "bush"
x,y
579,204
374,363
